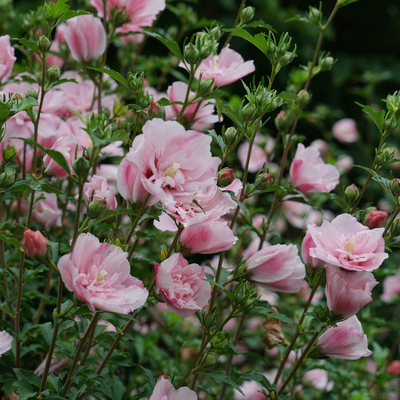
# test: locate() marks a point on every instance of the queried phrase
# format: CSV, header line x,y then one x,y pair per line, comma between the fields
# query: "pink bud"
x,y
225,177
153,108
34,243
345,130
394,368
376,218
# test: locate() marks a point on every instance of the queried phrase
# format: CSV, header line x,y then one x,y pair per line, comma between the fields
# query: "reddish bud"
x,y
394,368
225,177
375,218
35,243
263,181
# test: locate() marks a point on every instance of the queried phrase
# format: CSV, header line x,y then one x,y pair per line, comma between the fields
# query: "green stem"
x,y
46,291
233,147
186,102
77,216
18,310
236,23
389,224
136,221
119,219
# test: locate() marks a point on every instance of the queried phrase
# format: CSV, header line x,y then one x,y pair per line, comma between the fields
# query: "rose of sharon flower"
x,y
309,172
5,342
85,37
34,243
99,274
346,243
277,268
164,390
168,162
348,292
345,130
391,287
204,118
7,58
182,286
225,68
347,341
305,252
97,189
318,377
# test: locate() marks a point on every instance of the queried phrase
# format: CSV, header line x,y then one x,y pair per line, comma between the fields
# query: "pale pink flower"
x,y
346,341
7,58
168,162
208,239
348,292
97,189
56,365
54,102
34,243
68,145
99,274
277,268
204,117
345,130
60,33
182,286
309,172
212,205
252,391
391,287
76,126
5,342
85,37
306,245
321,146
318,377
346,243
164,390
225,68
344,164
110,172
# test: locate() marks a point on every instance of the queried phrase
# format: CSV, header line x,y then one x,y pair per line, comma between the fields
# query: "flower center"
x,y
215,64
100,276
172,170
349,246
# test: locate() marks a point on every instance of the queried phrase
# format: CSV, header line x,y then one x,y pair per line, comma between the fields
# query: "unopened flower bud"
x,y
374,218
395,227
191,54
303,98
210,319
314,13
394,187
230,136
247,14
249,112
351,193
121,124
216,32
394,368
155,111
136,81
218,341
390,124
9,153
206,87
326,63
44,44
263,181
7,179
210,359
384,156
31,93
36,246
270,50
81,166
53,73
225,177
96,208
284,120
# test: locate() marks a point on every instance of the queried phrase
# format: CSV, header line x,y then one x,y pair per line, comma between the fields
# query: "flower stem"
x,y
77,216
137,219
389,224
46,291
236,23
18,310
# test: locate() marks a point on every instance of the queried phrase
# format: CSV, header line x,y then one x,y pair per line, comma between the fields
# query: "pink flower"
x,y
348,292
34,243
393,368
204,117
97,189
322,147
5,342
318,377
346,243
344,164
347,341
391,287
85,37
56,365
375,218
168,162
208,239
306,245
164,390
60,33
309,172
225,68
345,130
99,274
182,286
277,268
68,145
110,172
252,391
7,58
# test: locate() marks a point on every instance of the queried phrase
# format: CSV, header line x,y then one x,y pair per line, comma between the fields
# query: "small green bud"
x,y
395,227
210,319
314,13
218,341
136,81
81,166
210,359
31,93
216,32
326,63
9,153
384,156
206,87
155,111
390,124
351,193
225,177
303,98
249,112
121,124
247,14
96,208
264,181
7,179
47,12
53,73
191,54
44,44
271,47
230,136
394,187
145,100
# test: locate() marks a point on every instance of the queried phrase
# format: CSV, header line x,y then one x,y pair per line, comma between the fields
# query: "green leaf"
x,y
288,96
31,45
61,81
114,74
210,279
260,378
58,9
24,389
218,139
27,375
47,331
27,103
70,14
262,312
172,46
55,155
257,40
222,377
64,326
14,242
259,24
378,118
50,189
149,378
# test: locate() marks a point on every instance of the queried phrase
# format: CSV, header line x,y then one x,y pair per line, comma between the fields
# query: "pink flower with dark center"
x,y
348,292
7,58
347,244
346,341
182,286
168,162
97,189
99,275
164,390
309,172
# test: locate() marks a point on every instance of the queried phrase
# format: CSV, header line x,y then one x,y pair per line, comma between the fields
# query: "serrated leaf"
x,y
259,24
27,375
257,40
172,46
58,9
70,14
114,74
31,45
218,139
378,118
